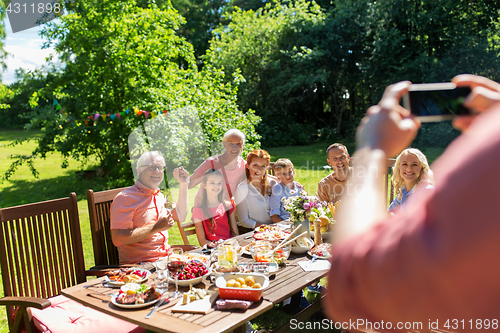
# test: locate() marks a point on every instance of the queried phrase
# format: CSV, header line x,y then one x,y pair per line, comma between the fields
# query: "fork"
x,y
314,258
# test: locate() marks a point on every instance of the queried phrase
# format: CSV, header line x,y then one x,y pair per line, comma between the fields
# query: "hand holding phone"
x,y
436,101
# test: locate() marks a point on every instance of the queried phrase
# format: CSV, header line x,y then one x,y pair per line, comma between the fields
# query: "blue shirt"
x,y
405,194
281,191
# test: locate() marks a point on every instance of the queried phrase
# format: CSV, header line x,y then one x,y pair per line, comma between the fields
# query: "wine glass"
x,y
161,266
175,265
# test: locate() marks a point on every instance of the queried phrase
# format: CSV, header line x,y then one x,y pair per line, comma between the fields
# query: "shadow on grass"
x,y
28,191
277,316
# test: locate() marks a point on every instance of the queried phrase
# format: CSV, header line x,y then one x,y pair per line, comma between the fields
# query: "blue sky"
x,y
25,51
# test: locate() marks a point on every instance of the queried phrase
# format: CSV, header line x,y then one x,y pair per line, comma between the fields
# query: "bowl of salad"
x,y
266,252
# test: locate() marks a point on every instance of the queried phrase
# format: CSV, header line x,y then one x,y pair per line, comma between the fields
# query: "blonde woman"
x,y
411,173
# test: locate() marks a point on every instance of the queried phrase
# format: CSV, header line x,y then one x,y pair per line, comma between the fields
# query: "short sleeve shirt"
x,y
221,228
135,207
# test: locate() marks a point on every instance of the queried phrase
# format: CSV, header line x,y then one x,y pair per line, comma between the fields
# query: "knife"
x,y
163,300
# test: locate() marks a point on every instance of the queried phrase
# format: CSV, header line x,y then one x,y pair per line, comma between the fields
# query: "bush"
x,y
438,134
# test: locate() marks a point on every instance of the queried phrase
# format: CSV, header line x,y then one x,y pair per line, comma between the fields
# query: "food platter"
x,y
271,235
159,293
269,268
113,283
319,257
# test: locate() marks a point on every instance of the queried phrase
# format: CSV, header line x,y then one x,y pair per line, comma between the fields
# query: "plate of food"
x,y
127,275
199,257
322,251
267,227
271,235
137,297
261,267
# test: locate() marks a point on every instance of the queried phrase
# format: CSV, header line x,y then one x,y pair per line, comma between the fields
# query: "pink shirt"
x,y
132,208
437,258
234,177
221,228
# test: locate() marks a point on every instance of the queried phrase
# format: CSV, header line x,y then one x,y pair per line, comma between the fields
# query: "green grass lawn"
x,y
56,182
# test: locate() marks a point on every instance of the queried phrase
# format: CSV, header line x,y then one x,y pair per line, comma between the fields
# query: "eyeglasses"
x,y
234,145
153,167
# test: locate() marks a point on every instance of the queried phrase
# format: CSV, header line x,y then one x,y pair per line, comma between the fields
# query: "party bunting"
x,y
112,117
103,116
55,102
97,115
58,107
146,114
118,115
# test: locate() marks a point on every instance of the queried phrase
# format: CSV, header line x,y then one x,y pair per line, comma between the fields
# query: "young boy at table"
x,y
284,170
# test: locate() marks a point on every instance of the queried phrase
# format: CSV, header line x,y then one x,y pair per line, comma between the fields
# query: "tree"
x,y
123,57
322,67
267,47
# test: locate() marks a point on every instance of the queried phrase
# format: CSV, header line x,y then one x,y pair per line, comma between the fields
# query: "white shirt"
x,y
252,206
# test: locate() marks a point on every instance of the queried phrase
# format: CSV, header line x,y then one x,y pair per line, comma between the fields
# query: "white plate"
x,y
136,306
319,257
119,284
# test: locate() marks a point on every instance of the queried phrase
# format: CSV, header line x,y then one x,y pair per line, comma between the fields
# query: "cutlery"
x,y
289,242
314,258
160,302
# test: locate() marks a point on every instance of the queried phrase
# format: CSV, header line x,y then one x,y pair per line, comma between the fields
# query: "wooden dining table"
x,y
286,282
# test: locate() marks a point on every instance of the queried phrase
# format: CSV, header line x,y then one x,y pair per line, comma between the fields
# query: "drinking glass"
x,y
161,266
175,265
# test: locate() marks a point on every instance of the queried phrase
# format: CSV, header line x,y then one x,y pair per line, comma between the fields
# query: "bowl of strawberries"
x,y
193,272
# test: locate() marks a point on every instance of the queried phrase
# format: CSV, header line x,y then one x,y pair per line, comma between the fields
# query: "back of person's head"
x,y
336,145
425,174
235,132
281,164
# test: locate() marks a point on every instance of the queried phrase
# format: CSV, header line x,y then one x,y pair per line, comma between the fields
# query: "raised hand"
x,y
181,174
388,126
485,93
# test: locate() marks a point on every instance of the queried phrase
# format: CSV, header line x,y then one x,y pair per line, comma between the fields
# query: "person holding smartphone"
x,y
435,258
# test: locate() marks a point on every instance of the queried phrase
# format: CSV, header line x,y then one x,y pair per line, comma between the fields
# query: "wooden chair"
x,y
40,254
105,252
389,190
270,169
99,204
186,229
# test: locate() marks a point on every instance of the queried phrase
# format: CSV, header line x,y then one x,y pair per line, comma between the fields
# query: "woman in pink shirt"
x,y
230,164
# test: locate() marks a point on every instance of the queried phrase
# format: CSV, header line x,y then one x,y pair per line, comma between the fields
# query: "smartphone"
x,y
436,101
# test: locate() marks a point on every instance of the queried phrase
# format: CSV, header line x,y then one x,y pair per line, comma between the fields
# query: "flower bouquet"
x,y
304,207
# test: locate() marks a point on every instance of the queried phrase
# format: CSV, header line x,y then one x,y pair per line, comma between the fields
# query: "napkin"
x,y
317,265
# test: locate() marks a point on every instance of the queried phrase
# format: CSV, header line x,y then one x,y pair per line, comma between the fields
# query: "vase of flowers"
x,y
304,207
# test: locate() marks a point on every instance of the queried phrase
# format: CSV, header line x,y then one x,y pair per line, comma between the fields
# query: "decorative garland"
x,y
112,116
